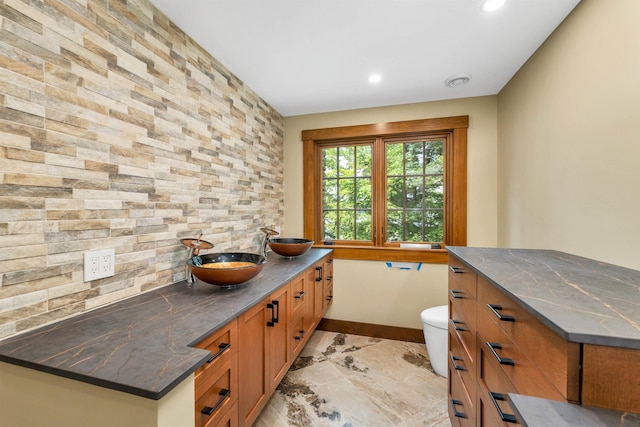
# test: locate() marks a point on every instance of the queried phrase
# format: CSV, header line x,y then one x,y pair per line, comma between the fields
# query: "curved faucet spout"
x,y
268,232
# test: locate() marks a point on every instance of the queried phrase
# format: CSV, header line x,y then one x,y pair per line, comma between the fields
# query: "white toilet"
x,y
434,326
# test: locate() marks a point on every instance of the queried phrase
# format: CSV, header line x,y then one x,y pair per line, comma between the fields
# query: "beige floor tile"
x,y
353,381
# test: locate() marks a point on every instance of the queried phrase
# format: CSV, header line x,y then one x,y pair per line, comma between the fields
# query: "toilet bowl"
x,y
434,326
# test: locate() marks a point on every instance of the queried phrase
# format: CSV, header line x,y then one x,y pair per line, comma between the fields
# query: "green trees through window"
x,y
414,191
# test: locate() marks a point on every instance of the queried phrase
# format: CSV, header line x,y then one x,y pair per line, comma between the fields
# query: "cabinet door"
x,y
252,360
278,327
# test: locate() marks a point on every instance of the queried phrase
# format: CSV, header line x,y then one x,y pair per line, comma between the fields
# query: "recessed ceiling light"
x,y
375,78
457,80
491,5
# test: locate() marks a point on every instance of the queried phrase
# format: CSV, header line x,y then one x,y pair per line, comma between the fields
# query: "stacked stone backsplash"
x,y
118,131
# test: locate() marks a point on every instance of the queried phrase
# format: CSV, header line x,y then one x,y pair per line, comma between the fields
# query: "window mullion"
x,y
379,192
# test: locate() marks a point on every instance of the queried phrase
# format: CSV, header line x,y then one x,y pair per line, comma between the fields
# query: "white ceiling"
x,y
311,56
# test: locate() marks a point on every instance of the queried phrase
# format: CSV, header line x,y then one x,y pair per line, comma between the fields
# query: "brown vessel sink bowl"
x,y
290,247
226,269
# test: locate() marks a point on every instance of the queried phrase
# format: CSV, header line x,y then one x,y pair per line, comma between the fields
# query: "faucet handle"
x,y
269,231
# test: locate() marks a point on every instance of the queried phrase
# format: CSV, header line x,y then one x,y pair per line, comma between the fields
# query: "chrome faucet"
x,y
268,232
194,245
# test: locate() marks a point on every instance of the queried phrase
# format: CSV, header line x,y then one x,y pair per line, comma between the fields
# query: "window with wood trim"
x,y
389,191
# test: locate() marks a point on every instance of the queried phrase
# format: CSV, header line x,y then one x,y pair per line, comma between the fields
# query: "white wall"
x,y
569,129
367,291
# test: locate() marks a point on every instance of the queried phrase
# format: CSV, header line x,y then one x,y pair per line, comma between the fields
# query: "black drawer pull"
x,y
455,412
299,337
493,346
456,294
508,418
208,410
456,270
455,324
330,297
495,309
457,367
319,276
221,349
300,295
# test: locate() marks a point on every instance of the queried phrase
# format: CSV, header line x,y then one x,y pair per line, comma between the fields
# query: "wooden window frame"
x,y
455,199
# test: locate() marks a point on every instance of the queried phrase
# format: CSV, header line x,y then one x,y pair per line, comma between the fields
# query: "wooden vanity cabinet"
x,y
252,353
495,348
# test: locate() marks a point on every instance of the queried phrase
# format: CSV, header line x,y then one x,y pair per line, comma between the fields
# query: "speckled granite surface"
x,y
536,412
583,300
141,345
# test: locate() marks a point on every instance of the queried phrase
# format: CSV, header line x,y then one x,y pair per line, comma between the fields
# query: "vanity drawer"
x,y
216,394
461,409
461,277
222,344
299,292
557,358
522,373
460,365
493,387
461,329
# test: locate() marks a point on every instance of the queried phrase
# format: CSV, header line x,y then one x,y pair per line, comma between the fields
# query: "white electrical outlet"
x,y
99,264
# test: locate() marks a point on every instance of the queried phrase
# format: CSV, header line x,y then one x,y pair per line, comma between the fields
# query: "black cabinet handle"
x,y
457,367
330,297
319,277
300,295
277,306
456,270
221,349
208,410
274,306
456,294
509,418
493,346
495,309
329,278
299,337
455,324
458,414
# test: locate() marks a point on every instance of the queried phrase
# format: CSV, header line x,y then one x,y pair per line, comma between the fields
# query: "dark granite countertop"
x,y
537,412
583,300
141,345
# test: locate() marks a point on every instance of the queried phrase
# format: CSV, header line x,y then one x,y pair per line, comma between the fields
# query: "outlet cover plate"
x,y
99,264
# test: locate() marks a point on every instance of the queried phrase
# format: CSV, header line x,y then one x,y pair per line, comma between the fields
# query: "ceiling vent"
x,y
457,80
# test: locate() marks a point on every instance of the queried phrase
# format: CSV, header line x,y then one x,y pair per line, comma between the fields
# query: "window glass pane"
x,y
363,160
363,225
394,225
395,192
363,193
330,162
347,190
415,184
330,194
346,161
330,225
433,225
395,159
414,192
434,191
413,226
434,157
346,225
414,158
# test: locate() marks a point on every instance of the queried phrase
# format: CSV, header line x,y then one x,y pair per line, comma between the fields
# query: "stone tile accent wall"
x,y
118,131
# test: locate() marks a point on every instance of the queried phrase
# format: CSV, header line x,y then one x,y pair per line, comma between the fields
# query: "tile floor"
x,y
354,381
